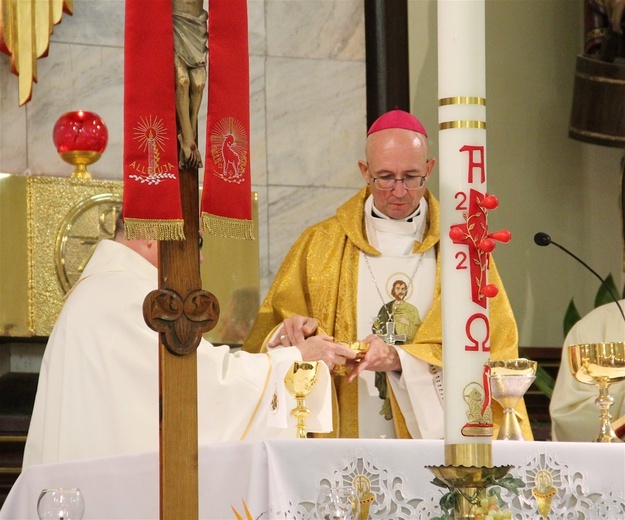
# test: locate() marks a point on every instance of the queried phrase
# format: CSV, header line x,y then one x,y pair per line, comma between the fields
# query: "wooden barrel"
x,y
598,113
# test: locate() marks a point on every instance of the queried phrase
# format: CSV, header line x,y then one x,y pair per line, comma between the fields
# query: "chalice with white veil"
x,y
509,380
600,364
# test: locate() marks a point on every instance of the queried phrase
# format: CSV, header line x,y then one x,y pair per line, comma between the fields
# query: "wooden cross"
x,y
180,311
390,337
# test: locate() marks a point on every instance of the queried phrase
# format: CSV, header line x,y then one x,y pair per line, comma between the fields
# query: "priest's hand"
x,y
294,330
322,348
381,357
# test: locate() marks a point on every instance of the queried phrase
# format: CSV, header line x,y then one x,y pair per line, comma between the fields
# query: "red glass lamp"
x,y
80,138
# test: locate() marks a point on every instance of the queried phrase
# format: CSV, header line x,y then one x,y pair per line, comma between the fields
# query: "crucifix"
x,y
161,196
390,337
180,310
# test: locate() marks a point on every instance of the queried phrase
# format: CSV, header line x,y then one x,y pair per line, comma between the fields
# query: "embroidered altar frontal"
x,y
271,479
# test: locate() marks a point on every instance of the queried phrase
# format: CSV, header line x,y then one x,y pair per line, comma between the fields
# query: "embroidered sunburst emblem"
x,y
229,143
150,135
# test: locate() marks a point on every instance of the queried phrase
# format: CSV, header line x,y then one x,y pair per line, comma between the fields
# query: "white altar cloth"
x,y
279,479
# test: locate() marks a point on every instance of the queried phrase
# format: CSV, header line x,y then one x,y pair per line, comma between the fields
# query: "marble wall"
x,y
308,108
308,100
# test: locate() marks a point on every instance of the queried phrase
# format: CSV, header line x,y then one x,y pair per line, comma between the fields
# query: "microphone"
x,y
543,239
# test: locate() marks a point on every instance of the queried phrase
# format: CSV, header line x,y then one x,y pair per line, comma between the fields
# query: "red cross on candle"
x,y
474,234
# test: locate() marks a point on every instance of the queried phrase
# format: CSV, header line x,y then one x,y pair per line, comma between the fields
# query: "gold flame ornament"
x,y
25,29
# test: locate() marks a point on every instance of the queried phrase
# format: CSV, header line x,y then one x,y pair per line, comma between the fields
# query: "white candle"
x,y
462,170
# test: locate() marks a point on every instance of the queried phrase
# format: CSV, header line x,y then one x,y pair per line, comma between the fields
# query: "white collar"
x,y
378,214
410,230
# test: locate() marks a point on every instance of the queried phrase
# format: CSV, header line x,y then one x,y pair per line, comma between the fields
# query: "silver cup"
x,y
509,380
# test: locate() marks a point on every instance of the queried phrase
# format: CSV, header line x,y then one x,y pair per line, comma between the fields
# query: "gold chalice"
x,y
600,364
360,347
509,380
299,381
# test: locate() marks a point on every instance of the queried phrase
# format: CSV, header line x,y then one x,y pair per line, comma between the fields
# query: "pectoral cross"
x,y
390,337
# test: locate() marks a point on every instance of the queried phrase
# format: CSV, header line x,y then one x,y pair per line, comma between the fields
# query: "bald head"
x,y
148,249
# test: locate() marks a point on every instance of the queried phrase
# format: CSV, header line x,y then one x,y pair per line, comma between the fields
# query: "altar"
x,y
280,479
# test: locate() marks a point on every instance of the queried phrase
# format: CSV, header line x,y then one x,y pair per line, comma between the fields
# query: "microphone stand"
x,y
543,239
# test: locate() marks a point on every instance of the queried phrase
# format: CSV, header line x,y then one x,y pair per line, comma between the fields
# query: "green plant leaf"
x,y
544,382
511,484
448,501
571,317
488,487
440,483
603,295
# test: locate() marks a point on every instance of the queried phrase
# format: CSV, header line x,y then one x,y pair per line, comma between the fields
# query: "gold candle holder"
x,y
299,381
80,159
600,364
468,470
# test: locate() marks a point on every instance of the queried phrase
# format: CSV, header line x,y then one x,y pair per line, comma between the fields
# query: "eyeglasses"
x,y
410,182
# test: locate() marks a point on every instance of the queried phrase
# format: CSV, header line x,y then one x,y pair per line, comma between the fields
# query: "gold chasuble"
x,y
319,278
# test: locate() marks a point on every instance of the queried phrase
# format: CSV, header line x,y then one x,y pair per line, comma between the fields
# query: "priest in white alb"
x,y
372,273
575,415
98,387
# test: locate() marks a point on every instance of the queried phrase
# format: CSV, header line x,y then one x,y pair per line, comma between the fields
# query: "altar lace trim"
x,y
571,496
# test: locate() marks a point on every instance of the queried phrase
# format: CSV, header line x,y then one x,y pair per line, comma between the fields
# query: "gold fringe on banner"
x,y
142,229
228,227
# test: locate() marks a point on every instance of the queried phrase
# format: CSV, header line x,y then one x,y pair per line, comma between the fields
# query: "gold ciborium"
x,y
360,347
299,381
509,380
600,364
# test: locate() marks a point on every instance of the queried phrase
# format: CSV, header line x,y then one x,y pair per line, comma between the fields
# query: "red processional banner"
x,y
152,207
227,198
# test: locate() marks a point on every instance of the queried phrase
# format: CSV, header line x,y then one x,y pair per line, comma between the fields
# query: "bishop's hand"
x,y
322,348
381,357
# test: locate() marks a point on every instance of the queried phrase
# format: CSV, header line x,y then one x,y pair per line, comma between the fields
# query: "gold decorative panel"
x,y
49,227
231,271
